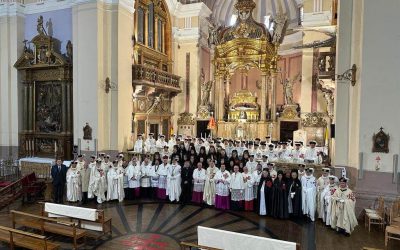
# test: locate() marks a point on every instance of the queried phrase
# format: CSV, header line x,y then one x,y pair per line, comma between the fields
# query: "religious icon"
x,y
87,132
380,142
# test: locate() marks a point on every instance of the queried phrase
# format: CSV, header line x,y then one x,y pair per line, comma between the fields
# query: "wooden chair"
x,y
393,230
376,216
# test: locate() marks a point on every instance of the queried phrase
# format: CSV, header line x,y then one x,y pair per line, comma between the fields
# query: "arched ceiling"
x,y
222,10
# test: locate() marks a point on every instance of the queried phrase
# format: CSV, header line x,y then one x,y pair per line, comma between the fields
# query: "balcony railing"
x,y
155,76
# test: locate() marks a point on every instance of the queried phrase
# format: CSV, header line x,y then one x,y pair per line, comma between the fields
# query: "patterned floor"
x,y
149,225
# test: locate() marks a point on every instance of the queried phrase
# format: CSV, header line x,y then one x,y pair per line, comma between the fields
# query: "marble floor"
x,y
162,225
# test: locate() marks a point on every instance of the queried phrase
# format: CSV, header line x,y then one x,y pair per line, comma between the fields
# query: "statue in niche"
x,y
288,89
69,49
156,102
87,132
205,93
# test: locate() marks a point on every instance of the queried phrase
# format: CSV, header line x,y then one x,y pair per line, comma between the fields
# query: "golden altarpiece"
x,y
244,46
46,77
154,85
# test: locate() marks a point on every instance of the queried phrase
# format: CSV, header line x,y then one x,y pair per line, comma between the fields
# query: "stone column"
x,y
274,80
156,32
63,107
263,96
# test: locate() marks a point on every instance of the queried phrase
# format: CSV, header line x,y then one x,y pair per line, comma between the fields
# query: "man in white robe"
x,y
297,153
248,189
74,184
80,163
162,173
209,187
271,153
284,154
160,143
322,182
343,215
308,184
222,182
85,177
256,178
326,195
251,164
199,178
97,183
145,184
311,154
153,173
115,188
174,181
150,144
171,143
138,147
237,187
134,174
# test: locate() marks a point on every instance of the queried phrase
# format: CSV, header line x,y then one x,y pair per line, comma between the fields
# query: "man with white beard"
x,y
115,176
74,184
133,173
174,181
97,183
308,184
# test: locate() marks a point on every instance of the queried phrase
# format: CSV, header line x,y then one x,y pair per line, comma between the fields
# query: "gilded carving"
x,y
315,119
289,112
186,119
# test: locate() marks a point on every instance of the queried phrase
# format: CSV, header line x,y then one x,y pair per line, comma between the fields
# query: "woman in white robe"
x,y
115,187
174,181
74,184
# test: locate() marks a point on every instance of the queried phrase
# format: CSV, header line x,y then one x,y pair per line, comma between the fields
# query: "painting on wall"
x,y
380,142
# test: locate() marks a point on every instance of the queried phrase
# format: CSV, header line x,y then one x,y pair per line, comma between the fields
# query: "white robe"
x,y
74,185
133,173
309,196
251,165
311,155
115,188
222,180
248,186
199,178
322,182
138,148
150,146
326,195
209,187
343,210
174,189
97,185
162,173
154,175
160,145
145,178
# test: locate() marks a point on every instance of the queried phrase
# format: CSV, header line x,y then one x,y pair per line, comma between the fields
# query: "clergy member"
x,y
308,184
322,182
150,144
237,186
138,148
174,181
199,178
248,189
187,181
222,180
80,163
280,197
343,209
209,187
115,187
74,183
134,174
162,178
327,195
97,183
311,154
251,164
154,178
85,177
145,185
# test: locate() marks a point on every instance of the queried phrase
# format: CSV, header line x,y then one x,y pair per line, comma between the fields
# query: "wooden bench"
x,y
49,225
100,224
18,238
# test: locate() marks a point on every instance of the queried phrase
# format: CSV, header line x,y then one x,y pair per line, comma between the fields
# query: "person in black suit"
x,y
58,173
187,182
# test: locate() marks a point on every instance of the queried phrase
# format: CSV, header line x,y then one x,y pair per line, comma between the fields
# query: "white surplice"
x,y
174,189
115,187
74,185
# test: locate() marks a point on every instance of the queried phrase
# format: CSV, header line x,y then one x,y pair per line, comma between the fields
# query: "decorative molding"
x,y
312,19
315,119
189,10
186,119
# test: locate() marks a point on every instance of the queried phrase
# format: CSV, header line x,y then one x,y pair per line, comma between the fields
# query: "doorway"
x,y
154,128
287,129
202,130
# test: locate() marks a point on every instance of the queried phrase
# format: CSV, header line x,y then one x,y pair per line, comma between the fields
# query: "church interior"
x,y
199,124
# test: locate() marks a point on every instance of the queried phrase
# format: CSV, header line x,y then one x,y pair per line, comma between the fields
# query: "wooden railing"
x,y
155,76
190,246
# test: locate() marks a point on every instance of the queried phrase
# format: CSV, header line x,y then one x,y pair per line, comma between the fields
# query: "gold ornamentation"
x,y
315,119
290,112
186,119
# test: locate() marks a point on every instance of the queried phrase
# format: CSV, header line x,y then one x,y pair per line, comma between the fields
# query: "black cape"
x,y
295,203
186,184
280,199
267,194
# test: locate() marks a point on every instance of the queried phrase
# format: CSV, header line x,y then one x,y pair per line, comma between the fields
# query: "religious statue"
x,y
40,27
157,100
87,132
279,28
205,93
329,103
213,34
288,91
69,49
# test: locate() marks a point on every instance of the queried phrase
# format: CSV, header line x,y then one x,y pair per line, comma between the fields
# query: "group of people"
x,y
207,175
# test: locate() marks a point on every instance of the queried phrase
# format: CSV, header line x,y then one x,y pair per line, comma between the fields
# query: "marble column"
x,y
63,107
274,80
263,96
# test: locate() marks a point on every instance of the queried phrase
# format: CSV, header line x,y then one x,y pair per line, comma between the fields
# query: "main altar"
x,y
246,75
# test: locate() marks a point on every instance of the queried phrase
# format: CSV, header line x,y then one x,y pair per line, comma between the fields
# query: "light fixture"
x,y
349,75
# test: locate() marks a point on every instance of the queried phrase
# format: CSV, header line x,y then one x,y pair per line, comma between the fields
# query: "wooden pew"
x,y
49,225
18,238
100,224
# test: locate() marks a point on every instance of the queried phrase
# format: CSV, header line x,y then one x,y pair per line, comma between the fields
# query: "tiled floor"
x,y
155,225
